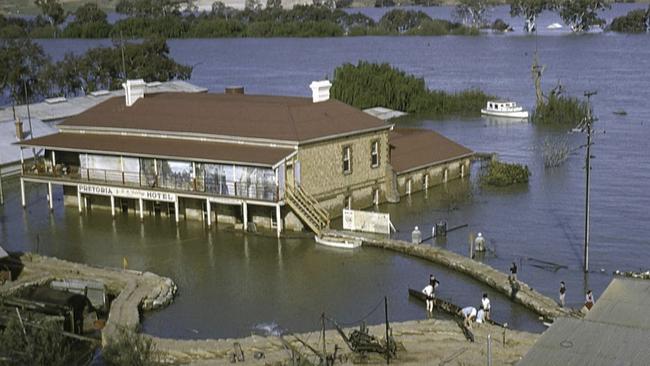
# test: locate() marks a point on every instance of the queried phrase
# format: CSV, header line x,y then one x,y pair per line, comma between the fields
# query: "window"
x,y
374,154
347,160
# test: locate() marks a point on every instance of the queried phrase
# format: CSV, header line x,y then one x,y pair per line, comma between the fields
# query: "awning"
x,y
164,148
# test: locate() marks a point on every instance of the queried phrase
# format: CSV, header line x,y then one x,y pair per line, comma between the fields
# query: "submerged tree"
x,y
530,10
22,66
582,15
473,12
52,10
102,67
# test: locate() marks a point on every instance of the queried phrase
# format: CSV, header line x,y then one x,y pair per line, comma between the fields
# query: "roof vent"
x,y
55,100
234,90
133,90
320,90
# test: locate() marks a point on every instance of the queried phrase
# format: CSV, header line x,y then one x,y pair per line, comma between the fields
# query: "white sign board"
x,y
126,192
366,221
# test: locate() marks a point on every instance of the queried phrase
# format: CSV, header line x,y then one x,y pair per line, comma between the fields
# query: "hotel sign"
x,y
366,221
126,193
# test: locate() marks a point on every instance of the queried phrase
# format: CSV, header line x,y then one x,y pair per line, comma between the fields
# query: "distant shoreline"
x,y
27,7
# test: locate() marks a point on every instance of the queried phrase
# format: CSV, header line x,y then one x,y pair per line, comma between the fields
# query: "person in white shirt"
x,y
485,302
469,315
481,315
428,292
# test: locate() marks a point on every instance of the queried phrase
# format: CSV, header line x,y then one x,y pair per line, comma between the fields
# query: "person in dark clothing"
x,y
562,293
513,272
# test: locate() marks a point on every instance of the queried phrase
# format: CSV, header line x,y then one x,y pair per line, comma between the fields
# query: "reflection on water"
x,y
229,282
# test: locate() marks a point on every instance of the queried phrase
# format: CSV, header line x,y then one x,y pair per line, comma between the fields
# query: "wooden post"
x,y
49,194
22,192
209,212
113,206
245,214
176,209
79,199
2,193
387,327
278,217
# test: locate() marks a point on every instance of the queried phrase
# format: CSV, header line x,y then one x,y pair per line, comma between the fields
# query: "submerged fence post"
x,y
489,350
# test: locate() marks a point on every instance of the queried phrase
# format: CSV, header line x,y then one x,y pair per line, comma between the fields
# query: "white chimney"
x,y
133,90
320,90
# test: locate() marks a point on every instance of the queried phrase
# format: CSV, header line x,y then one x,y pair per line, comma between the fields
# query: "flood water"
x,y
229,281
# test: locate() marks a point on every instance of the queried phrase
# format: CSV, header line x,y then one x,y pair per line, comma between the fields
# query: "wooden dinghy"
x,y
344,243
446,306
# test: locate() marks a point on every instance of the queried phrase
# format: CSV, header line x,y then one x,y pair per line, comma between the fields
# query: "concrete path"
x,y
541,304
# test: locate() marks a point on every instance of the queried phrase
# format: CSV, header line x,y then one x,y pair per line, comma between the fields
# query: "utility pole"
x,y
588,126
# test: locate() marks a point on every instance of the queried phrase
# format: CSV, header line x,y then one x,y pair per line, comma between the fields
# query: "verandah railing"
x,y
175,181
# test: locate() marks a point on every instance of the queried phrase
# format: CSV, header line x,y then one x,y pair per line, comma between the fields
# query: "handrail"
x,y
315,204
182,182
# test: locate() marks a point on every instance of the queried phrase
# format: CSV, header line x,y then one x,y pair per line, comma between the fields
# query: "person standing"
x,y
562,293
513,272
589,300
486,306
479,243
481,316
428,292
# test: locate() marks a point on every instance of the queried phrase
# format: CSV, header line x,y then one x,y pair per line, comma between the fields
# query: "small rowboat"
x,y
446,306
344,243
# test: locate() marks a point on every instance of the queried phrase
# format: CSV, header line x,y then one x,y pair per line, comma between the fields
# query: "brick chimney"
x,y
19,129
133,90
320,90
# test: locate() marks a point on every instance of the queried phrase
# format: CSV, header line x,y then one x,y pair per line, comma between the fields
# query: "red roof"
x,y
248,116
412,149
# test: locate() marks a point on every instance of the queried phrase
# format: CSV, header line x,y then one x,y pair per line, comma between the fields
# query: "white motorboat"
x,y
344,243
502,108
554,26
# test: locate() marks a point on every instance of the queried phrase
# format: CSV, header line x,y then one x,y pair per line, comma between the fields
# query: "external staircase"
x,y
307,208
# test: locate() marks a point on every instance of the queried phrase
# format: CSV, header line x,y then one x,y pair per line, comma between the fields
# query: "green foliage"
x,y
368,85
152,8
559,109
636,21
130,348
474,13
163,18
53,10
501,174
101,67
401,21
530,10
582,15
42,346
89,22
22,64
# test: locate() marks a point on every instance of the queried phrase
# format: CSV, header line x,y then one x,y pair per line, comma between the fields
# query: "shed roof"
x,y
75,105
278,118
162,148
9,152
614,332
413,148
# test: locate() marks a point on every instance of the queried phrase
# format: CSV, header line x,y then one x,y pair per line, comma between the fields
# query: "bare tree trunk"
x,y
537,70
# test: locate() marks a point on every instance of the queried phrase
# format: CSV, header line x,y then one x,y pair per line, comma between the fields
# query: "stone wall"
x,y
322,175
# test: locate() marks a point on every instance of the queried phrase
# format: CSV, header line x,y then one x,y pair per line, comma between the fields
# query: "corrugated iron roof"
x,y
413,148
279,118
10,153
75,105
163,148
616,331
